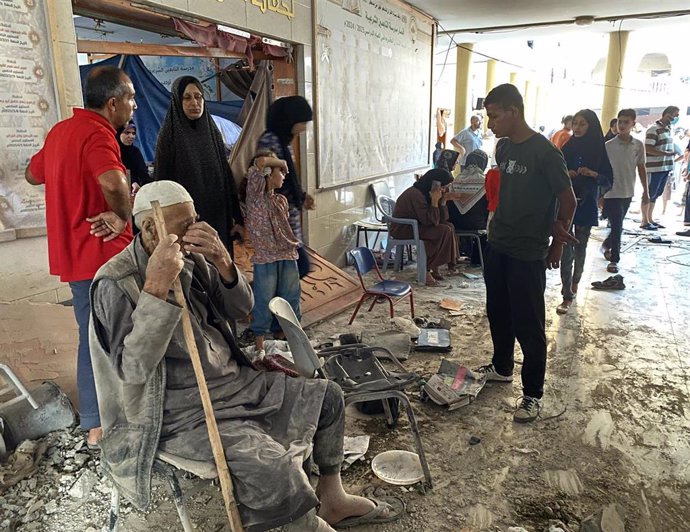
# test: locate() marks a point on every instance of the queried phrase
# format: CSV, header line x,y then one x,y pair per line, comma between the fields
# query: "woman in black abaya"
x,y
190,152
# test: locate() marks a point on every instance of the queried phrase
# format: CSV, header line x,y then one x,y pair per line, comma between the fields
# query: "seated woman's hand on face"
x,y
436,195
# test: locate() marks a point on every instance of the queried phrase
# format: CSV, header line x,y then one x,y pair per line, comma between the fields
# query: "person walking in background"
x,y
589,168
469,139
190,151
613,130
626,154
287,119
534,188
87,206
560,137
274,243
660,154
132,157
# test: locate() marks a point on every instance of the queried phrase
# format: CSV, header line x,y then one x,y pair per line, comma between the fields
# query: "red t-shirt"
x,y
75,153
493,185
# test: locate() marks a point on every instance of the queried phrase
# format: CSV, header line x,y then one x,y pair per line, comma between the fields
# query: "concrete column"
x,y
615,64
514,78
64,43
463,107
529,102
539,106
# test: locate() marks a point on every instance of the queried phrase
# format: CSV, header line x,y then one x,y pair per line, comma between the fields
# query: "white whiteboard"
x,y
374,89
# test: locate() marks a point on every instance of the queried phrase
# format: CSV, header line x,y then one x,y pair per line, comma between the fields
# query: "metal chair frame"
x,y
310,366
376,294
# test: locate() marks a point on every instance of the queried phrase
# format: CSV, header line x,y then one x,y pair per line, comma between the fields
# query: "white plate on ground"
x,y
401,468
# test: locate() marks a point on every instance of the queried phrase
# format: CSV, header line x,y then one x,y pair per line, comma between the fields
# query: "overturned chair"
x,y
356,369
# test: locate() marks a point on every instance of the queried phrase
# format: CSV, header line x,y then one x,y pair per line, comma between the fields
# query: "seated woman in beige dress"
x,y
425,201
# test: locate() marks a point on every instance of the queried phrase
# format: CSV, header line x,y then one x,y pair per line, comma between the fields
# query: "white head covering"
x,y
166,192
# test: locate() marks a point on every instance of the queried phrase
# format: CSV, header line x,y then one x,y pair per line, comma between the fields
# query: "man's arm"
x,y
650,150
30,178
642,172
567,203
114,186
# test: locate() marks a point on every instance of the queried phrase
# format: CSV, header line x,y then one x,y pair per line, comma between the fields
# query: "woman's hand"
x,y
583,170
435,196
309,203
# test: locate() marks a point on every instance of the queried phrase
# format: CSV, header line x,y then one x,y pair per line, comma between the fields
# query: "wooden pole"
x,y
213,434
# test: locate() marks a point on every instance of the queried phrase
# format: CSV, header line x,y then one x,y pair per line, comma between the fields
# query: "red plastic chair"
x,y
393,291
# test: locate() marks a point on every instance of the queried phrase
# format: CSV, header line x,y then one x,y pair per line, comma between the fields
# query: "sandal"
x,y
564,307
431,282
615,282
394,505
437,276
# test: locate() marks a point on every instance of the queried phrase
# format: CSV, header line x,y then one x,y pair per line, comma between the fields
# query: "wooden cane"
x,y
213,434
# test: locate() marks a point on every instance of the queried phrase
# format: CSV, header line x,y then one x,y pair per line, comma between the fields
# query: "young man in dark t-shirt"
x,y
536,202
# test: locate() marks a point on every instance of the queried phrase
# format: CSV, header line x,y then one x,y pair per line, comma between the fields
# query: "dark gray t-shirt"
x,y
533,173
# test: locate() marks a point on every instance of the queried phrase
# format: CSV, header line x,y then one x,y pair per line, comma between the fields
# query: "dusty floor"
x,y
615,425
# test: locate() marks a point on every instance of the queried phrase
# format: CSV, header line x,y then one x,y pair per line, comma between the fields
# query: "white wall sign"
x,y
374,89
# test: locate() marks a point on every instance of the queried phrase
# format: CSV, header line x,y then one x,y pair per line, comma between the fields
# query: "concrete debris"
x,y
516,529
82,488
611,518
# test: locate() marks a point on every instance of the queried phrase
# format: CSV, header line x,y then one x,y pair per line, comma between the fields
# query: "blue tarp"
x,y
153,100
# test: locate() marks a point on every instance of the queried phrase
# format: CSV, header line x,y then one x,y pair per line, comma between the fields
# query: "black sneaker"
x,y
528,410
683,233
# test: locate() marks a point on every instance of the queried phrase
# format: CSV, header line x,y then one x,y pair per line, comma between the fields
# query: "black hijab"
x,y
132,158
282,116
426,182
191,152
588,150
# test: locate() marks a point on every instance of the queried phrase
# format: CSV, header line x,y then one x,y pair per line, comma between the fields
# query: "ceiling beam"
x,y
129,48
612,18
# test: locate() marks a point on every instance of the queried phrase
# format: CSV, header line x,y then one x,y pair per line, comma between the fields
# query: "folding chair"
x,y
392,291
309,365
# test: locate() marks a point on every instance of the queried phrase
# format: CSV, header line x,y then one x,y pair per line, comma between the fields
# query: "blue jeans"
x,y
274,279
573,261
88,402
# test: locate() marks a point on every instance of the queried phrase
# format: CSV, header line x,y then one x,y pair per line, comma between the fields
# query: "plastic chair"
x,y
376,224
392,291
305,358
386,205
165,465
476,236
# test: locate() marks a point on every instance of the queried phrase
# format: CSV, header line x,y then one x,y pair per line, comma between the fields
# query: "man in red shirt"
x,y
87,205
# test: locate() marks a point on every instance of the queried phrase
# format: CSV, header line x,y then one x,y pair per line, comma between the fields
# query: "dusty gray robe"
x,y
148,396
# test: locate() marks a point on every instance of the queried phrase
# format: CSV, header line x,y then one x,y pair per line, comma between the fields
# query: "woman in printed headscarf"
x,y
131,156
589,168
425,201
287,118
190,151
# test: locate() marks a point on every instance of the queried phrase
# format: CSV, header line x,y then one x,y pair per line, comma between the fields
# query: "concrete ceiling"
x,y
479,20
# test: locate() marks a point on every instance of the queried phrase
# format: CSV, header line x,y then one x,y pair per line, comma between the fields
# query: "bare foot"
x,y
350,506
94,436
430,281
259,343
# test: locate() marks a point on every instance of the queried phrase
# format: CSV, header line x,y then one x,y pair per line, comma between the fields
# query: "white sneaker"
x,y
489,372
528,410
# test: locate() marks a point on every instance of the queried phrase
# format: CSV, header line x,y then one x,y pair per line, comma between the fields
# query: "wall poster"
x,y
28,109
374,89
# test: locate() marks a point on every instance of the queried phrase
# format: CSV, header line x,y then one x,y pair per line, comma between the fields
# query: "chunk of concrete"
x,y
611,518
84,485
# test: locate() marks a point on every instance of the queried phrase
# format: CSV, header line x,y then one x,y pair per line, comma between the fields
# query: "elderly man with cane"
x,y
149,398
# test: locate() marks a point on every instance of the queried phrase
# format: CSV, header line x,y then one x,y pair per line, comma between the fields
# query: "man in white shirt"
x,y
626,154
469,139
